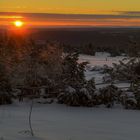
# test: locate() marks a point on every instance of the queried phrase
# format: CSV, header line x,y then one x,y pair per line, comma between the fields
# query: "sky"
x,y
71,12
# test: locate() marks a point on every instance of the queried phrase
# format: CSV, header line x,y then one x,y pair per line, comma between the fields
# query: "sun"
x,y
18,23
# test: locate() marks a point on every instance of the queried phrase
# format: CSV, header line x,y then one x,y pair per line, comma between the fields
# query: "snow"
x,y
119,85
59,122
97,62
70,89
100,59
86,93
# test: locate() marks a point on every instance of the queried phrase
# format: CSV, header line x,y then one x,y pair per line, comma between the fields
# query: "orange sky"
x,y
69,20
52,13
69,6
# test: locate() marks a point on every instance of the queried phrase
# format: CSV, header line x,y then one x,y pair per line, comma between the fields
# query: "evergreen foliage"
x,y
73,71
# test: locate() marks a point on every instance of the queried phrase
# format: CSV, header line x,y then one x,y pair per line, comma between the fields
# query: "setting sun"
x,y
18,23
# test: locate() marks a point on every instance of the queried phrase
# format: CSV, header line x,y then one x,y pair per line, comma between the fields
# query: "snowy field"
x,y
100,59
60,122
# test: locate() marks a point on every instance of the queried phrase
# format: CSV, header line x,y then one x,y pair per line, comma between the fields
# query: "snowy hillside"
x,y
58,122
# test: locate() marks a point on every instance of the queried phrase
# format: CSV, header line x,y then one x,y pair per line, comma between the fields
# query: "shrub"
x,y
5,99
69,97
137,97
128,100
108,95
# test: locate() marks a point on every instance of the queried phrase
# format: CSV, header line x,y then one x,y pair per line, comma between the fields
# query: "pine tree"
x,y
5,69
73,71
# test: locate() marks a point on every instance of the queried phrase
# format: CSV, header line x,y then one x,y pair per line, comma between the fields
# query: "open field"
x,y
59,122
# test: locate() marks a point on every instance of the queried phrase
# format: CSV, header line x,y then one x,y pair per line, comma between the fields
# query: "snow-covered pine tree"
x,y
78,96
76,90
51,57
5,69
30,86
73,71
109,95
69,97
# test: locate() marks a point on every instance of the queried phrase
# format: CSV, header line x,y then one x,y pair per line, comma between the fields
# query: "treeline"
x,y
128,70
27,68
31,71
130,49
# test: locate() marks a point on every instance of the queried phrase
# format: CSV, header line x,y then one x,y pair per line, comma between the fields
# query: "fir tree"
x,y
73,71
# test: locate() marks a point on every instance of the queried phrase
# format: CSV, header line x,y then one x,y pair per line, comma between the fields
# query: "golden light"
x,y
18,23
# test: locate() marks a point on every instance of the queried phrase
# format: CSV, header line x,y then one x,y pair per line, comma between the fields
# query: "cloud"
x,y
129,13
10,17
116,18
121,14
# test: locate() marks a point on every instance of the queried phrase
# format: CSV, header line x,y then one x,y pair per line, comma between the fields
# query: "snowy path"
x,y
59,122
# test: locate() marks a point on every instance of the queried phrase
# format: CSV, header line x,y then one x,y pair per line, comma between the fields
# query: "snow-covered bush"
x,y
72,71
128,100
5,91
72,97
137,98
107,78
101,69
126,70
5,85
5,99
83,96
86,98
108,95
96,68
69,97
90,85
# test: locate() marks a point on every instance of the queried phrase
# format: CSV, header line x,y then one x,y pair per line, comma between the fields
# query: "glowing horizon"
x,y
44,13
56,20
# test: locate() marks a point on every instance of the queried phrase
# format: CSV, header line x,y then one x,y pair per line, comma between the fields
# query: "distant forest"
x,y
116,41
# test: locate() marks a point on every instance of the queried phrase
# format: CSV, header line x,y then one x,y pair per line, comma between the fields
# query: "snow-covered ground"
x,y
99,60
59,122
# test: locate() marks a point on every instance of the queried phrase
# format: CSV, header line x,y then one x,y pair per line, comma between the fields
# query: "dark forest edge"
x,y
27,68
116,41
